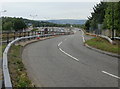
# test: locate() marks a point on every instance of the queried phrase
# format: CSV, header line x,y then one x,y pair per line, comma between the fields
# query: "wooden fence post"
x,y
7,37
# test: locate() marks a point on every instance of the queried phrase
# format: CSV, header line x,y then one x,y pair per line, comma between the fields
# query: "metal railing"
x,y
6,74
9,36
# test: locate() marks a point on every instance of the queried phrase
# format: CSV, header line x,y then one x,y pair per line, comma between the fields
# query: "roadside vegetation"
x,y
103,44
106,14
34,29
18,24
18,72
2,47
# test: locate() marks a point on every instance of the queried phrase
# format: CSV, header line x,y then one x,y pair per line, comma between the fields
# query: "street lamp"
x,y
33,16
2,12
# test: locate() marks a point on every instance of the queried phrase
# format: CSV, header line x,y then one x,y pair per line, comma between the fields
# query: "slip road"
x,y
65,62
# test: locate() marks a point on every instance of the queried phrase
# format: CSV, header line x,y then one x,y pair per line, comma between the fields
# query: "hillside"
x,y
67,21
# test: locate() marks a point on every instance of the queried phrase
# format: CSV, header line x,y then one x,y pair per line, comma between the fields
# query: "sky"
x,y
48,9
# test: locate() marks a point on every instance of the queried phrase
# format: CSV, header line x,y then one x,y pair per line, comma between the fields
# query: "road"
x,y
65,62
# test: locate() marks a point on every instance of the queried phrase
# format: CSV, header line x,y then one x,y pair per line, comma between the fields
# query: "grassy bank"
x,y
17,70
2,48
103,44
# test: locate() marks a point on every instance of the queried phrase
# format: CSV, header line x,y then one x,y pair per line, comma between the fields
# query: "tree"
x,y
8,26
87,25
97,16
106,13
112,17
19,24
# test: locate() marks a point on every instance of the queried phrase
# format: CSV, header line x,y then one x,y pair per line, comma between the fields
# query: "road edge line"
x,y
101,51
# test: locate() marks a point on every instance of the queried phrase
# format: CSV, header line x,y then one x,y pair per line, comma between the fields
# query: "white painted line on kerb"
x,y
83,36
111,74
59,43
68,54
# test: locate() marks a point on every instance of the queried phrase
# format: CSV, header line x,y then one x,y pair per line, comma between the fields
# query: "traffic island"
x,y
102,45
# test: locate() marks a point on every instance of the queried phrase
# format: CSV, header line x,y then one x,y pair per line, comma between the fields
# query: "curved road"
x,y
65,62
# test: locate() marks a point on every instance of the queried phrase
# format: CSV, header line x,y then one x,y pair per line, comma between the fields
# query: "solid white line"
x,y
111,75
68,54
59,43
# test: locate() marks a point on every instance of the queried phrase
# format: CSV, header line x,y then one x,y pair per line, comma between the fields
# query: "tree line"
x,y
105,14
18,24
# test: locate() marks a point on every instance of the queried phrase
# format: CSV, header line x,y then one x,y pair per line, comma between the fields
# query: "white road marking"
x,y
65,39
83,36
111,74
60,43
68,54
65,52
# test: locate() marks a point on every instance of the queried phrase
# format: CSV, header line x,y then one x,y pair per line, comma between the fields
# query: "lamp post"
x,y
1,25
33,17
2,11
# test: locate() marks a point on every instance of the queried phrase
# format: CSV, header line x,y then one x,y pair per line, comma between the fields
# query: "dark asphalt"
x,y
47,66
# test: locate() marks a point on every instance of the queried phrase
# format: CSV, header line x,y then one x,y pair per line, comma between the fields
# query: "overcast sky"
x,y
74,9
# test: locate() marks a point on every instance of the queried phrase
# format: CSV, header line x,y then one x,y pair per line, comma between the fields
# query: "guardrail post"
x,y
24,34
28,35
19,34
14,35
32,33
35,33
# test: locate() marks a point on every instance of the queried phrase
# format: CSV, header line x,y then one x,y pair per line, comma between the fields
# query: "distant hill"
x,y
67,21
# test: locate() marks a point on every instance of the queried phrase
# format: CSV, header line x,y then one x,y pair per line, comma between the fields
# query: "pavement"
x,y
65,62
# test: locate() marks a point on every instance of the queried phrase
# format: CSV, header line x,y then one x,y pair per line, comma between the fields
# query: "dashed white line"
x,y
68,54
65,39
59,43
74,31
78,59
65,52
111,74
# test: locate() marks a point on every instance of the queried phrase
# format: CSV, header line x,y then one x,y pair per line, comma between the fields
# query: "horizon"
x,y
44,19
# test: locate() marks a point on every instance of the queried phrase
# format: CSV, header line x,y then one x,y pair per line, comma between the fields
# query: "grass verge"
x,y
16,67
103,44
2,48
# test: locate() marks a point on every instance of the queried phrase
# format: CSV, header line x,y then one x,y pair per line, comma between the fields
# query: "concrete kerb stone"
x,y
101,51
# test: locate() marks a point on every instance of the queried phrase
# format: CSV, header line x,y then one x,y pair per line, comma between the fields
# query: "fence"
x,y
107,34
9,36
